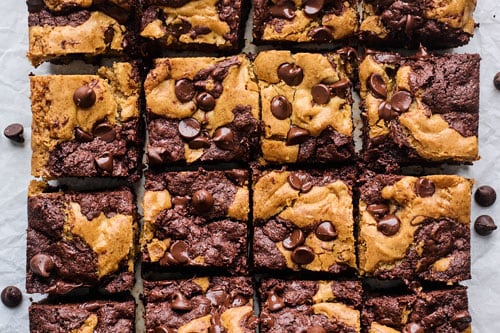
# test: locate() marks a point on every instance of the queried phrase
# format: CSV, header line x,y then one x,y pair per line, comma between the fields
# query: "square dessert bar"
x,y
437,24
196,219
87,125
80,240
200,304
198,25
415,228
306,106
304,21
201,110
444,310
89,316
310,306
304,220
419,110
69,29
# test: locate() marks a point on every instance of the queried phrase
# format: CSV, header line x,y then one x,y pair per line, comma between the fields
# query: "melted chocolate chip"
x,y
291,74
485,196
326,232
316,329
424,187
181,28
217,296
202,201
484,225
84,97
320,93
389,225
321,34
378,209
348,53
274,302
413,328
105,162
189,128
285,10
300,181
224,138
461,320
401,101
303,255
385,111
179,252
296,238
238,176
184,90
205,101
105,132
200,30
377,85
109,34
296,136
82,136
180,202
14,132
281,108
313,7
496,80
155,155
199,142
42,265
11,296
180,302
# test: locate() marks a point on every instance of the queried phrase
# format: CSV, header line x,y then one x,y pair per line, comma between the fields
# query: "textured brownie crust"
x,y
415,228
435,311
290,208
96,316
422,110
215,304
434,24
202,110
196,219
62,240
300,306
306,21
299,125
104,140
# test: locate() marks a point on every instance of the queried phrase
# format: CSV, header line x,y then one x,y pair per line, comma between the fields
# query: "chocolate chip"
x,y
217,296
389,225
296,238
105,162
274,302
155,155
281,108
202,201
189,128
239,301
34,5
496,80
485,196
313,7
199,142
326,232
180,202
321,34
179,251
422,52
296,136
303,255
105,132
401,101
200,30
412,22
341,84
11,296
424,187
413,328
224,138
109,34
184,90
266,320
378,209
14,132
316,329
484,225
238,176
42,265
320,93
180,302
377,85
385,111
300,181
181,28
205,101
291,74
461,320
84,97
163,329
82,136
285,11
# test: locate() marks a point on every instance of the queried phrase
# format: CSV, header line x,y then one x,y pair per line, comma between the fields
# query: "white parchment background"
x,y
484,288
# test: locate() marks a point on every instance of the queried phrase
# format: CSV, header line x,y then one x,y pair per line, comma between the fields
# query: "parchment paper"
x,y
484,288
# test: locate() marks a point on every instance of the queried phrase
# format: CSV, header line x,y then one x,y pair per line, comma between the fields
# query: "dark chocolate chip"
x,y
385,111
485,196
14,132
320,93
34,5
389,225
84,97
155,155
484,225
42,265
224,138
105,132
179,251
300,181
321,34
217,296
200,30
496,80
238,176
378,209
109,34
189,128
377,85
401,101
184,90
180,202
326,232
285,11
296,136
316,329
199,142
181,28
180,302
348,53
424,187
313,7
163,329
291,74
274,302
413,328
205,101
11,296
412,22
202,201
340,84
82,136
303,255
281,108
296,238
461,320
105,162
